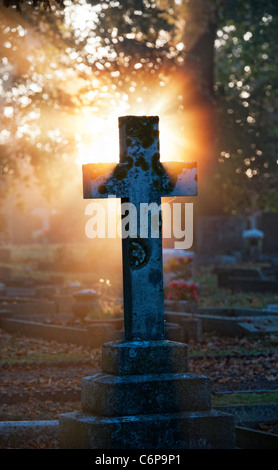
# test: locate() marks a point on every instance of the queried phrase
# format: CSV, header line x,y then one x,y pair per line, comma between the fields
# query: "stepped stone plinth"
x,y
165,407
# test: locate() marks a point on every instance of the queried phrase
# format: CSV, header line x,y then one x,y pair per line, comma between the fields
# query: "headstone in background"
x,y
268,223
219,235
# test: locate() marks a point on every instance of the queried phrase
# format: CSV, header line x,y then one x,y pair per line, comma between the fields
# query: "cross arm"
x,y
101,180
178,179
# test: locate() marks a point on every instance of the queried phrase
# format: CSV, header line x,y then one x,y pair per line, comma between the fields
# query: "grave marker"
x,y
144,398
140,178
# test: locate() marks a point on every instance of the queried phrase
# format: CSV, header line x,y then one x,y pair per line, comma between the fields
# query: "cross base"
x,y
112,395
144,357
145,398
188,430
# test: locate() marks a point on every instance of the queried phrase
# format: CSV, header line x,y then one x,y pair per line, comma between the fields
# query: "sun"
x,y
98,135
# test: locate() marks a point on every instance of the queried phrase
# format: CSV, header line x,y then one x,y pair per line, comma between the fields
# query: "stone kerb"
x,y
239,326
18,433
19,306
93,336
190,325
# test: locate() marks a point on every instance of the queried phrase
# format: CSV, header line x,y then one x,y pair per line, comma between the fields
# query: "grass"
x,y
245,399
235,346
213,296
42,357
20,349
233,351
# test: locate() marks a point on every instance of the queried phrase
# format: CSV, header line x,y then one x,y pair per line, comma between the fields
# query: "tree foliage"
x,y
246,92
228,46
79,56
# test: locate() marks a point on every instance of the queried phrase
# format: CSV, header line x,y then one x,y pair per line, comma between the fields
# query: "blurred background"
x,y
68,70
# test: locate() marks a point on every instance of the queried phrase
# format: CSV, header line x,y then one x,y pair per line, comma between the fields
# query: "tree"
x,y
202,50
246,93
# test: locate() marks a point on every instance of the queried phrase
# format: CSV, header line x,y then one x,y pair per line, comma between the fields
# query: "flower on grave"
x,y
179,267
180,290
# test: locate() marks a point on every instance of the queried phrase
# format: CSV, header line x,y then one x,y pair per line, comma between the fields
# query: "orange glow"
x,y
93,101
181,130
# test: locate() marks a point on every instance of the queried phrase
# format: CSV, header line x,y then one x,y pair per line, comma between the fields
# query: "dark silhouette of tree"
x,y
224,52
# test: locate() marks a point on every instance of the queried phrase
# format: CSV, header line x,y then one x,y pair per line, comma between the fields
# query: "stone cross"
x,y
139,178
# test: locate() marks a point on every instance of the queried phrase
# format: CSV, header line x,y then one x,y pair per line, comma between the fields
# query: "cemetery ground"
x,y
41,379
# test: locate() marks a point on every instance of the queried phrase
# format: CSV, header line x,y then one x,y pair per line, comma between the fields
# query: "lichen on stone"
x,y
102,189
120,172
156,165
145,166
139,161
142,162
156,183
129,162
165,183
142,129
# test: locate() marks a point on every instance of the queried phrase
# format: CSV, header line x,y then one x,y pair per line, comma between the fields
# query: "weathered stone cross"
x,y
141,178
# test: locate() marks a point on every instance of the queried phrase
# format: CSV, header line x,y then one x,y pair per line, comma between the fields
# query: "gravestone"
x,y
145,397
247,279
219,235
268,223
